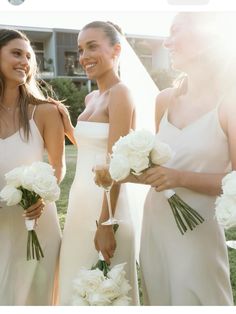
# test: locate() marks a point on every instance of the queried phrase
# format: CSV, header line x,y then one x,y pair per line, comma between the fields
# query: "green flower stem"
x,y
34,250
185,216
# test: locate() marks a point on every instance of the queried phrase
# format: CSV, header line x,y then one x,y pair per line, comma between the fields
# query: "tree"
x,y
66,91
163,78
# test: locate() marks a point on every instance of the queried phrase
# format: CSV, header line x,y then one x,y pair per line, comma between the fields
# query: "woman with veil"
x,y
109,114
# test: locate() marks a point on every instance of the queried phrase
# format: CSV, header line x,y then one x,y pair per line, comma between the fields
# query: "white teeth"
x,y
20,70
89,66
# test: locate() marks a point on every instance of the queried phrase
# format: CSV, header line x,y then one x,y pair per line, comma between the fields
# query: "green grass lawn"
x,y
62,206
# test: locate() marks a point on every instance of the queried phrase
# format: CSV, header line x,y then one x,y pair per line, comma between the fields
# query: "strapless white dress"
x,y
85,201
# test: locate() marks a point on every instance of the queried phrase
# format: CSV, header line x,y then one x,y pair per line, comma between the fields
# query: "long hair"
x,y
29,92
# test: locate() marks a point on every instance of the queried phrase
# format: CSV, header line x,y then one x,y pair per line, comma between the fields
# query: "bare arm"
x,y
121,112
51,127
121,115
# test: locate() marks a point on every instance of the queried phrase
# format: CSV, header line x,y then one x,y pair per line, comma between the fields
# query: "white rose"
x,y
230,176
121,146
14,177
229,184
161,153
138,162
109,289
119,167
117,273
141,141
42,167
46,186
98,299
28,177
10,195
226,211
122,301
91,279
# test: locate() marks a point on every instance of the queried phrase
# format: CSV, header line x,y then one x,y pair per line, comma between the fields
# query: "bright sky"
x,y
145,23
145,17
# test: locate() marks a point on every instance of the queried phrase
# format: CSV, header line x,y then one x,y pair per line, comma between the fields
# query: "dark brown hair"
x,y
112,31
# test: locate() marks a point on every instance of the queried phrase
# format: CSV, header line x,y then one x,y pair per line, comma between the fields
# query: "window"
x,y
72,65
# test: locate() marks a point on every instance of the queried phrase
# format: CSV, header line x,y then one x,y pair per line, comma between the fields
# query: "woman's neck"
x,y
10,99
202,82
107,81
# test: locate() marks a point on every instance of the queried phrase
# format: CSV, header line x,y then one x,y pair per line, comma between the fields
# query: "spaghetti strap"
x,y
32,116
218,104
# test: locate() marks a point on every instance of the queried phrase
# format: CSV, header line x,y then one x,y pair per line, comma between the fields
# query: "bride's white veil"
x,y
144,92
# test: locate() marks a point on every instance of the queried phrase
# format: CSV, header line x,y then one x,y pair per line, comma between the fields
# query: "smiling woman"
x,y
28,125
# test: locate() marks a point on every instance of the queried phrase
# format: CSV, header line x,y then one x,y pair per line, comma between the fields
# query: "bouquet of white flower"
x,y
226,203
101,285
140,150
25,185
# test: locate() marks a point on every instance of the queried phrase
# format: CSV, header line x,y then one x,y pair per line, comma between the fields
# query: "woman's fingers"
x,y
35,210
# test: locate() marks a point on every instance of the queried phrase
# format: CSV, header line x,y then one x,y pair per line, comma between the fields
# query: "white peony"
x,y
110,289
117,273
14,177
161,153
229,184
141,141
119,167
42,167
10,195
91,279
46,186
230,176
98,299
226,211
121,146
138,162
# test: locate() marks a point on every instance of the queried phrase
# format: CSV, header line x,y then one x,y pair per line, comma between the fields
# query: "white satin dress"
x,y
189,269
25,282
85,201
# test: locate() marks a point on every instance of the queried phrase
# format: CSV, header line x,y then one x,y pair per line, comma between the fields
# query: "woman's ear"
x,y
117,50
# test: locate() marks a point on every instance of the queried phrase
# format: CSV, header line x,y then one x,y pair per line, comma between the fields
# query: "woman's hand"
x,y
35,210
162,178
65,116
105,242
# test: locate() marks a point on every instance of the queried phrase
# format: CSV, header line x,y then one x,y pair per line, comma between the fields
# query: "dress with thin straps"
x,y
189,269
25,282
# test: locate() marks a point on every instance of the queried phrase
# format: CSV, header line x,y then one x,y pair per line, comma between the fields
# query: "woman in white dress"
x,y
197,120
109,113
28,125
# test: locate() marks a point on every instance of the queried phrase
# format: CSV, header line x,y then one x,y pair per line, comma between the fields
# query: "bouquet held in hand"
x,y
226,203
24,186
101,285
140,150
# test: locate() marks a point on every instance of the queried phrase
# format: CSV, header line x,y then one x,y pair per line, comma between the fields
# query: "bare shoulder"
x,y
120,89
47,111
163,99
121,95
